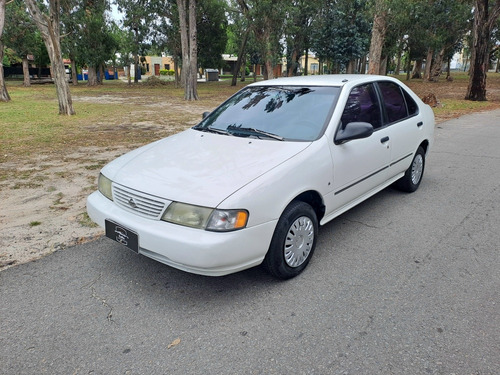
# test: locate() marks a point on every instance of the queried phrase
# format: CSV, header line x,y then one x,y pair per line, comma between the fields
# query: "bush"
x,y
167,72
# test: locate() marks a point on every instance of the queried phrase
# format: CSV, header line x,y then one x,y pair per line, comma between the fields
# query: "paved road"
x,y
402,284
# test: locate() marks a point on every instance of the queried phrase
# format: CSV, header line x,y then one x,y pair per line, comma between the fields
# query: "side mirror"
x,y
353,130
205,115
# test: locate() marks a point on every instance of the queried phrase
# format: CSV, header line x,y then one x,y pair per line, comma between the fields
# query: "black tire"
x,y
293,242
413,175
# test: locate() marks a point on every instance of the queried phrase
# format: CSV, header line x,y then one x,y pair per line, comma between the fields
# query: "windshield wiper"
x,y
213,130
238,130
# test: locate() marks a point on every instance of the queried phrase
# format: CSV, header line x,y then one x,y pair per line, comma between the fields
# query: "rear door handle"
x,y
385,139
419,124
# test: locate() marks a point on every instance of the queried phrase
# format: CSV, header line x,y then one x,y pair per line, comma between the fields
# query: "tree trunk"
x,y
383,66
377,41
26,72
74,73
351,67
191,89
137,68
269,68
448,69
48,25
408,66
187,18
437,66
362,68
241,52
428,64
4,95
243,70
417,70
129,78
176,71
92,74
398,63
306,62
483,24
102,77
264,72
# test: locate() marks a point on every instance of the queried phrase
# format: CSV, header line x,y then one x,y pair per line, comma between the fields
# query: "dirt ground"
x,y
42,209
37,219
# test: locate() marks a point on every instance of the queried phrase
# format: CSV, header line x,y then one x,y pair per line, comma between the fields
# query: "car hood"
x,y
199,168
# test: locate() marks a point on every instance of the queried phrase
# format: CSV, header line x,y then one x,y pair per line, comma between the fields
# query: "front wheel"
x,y
413,175
293,241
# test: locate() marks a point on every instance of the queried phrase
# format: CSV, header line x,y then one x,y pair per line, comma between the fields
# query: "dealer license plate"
x,y
122,235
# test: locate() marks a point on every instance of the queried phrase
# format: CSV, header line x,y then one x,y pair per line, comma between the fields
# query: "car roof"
x,y
321,80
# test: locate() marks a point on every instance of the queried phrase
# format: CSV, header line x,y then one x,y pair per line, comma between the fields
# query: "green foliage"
x,y
6,61
10,57
342,33
96,43
20,33
167,72
298,29
211,25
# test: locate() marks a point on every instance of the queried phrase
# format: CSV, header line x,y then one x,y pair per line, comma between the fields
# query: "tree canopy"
x,y
346,35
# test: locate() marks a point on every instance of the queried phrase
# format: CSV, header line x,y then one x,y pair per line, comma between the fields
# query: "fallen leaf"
x,y
174,343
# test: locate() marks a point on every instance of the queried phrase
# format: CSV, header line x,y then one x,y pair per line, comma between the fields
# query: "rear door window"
x,y
394,103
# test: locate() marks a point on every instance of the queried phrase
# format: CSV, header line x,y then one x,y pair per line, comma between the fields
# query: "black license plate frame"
x,y
122,235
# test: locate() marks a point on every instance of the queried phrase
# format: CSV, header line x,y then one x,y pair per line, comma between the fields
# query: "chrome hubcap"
x,y
417,168
299,241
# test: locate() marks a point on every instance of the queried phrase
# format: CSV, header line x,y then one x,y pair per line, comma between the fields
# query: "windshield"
x,y
275,113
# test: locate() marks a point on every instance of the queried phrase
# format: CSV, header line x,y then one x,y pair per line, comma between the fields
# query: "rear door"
x,y
405,125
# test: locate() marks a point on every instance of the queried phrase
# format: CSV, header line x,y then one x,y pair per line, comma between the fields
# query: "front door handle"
x,y
385,139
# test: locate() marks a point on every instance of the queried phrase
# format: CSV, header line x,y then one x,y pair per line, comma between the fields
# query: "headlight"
x,y
104,185
205,217
185,214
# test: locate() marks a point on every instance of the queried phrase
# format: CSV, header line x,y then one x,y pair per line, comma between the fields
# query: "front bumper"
x,y
192,250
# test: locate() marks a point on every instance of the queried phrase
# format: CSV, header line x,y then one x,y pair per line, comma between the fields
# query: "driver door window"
x,y
362,106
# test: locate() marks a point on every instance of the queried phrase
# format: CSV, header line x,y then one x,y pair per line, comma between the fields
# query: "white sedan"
x,y
252,181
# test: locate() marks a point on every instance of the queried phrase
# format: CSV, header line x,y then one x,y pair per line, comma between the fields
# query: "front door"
x,y
360,165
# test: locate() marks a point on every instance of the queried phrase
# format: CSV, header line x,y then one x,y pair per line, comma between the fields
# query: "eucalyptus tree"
x,y
211,24
265,20
47,20
298,29
268,28
166,36
96,44
71,23
4,94
241,29
445,23
189,47
381,16
486,16
139,17
341,34
20,34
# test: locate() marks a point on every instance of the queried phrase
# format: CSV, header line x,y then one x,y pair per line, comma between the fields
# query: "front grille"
x,y
139,203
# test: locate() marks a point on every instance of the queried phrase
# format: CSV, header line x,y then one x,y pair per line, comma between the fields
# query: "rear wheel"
x,y
293,241
413,175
